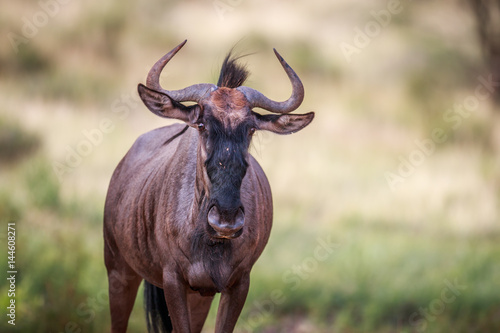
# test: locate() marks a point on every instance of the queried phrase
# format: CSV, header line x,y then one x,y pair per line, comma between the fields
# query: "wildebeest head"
x,y
224,117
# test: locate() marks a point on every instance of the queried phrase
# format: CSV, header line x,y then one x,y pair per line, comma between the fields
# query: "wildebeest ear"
x,y
284,123
163,106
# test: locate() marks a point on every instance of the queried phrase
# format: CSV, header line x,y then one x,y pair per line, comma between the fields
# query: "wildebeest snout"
x,y
227,223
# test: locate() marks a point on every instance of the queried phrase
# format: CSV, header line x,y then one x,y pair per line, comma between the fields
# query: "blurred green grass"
x,y
394,250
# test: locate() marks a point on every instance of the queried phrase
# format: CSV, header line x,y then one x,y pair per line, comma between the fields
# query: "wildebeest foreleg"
x,y
199,306
231,304
176,299
123,285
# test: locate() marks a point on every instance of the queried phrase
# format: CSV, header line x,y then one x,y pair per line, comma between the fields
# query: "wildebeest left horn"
x,y
194,93
257,99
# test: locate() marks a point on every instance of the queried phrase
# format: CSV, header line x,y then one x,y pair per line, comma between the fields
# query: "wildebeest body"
x,y
188,209
157,181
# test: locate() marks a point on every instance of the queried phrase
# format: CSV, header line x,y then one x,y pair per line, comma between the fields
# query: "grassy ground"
x,y
352,249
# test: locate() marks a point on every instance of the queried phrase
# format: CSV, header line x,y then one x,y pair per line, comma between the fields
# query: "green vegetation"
x,y
14,142
349,252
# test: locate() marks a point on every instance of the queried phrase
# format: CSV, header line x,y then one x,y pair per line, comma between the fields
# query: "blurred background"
x,y
386,206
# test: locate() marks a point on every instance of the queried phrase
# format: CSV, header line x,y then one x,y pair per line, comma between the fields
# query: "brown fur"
x,y
230,106
152,216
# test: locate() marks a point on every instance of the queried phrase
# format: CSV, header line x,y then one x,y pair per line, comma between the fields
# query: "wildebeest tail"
x,y
157,317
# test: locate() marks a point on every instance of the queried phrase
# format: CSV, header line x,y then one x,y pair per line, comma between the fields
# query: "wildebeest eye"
x,y
251,131
201,127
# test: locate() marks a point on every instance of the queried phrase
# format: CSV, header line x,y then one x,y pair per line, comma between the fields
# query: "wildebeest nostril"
x,y
213,216
240,218
226,225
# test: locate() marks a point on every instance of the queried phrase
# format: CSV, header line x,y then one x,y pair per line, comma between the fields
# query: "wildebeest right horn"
x,y
194,93
257,99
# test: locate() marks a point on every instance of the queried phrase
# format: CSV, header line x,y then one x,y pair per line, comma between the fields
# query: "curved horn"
x,y
194,93
257,99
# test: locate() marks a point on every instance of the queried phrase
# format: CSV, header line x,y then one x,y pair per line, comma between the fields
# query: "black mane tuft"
x,y
232,74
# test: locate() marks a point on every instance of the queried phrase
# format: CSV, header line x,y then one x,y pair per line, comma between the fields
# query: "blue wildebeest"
x,y
188,209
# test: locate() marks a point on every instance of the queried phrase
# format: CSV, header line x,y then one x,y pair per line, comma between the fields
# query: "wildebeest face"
x,y
226,127
224,117
225,123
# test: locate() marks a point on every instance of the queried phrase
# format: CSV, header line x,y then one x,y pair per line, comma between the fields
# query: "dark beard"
x,y
212,252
